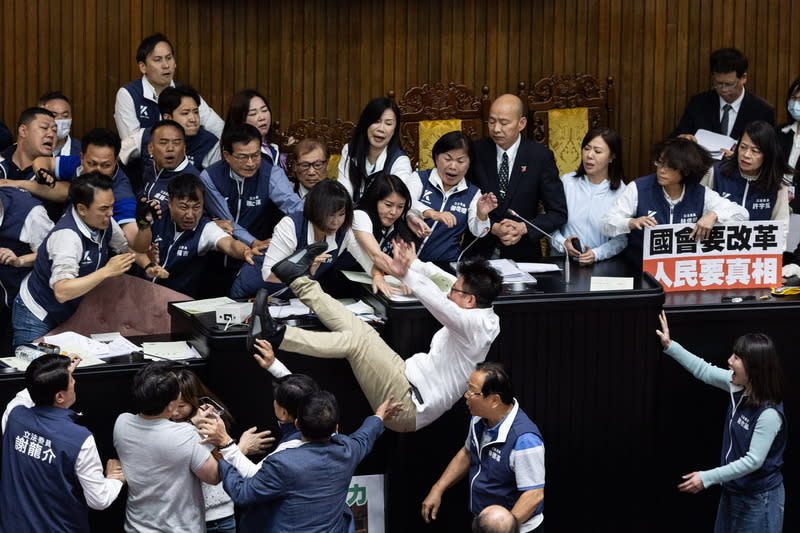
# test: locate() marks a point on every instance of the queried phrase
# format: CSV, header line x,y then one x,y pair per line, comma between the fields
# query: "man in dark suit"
x,y
520,173
728,108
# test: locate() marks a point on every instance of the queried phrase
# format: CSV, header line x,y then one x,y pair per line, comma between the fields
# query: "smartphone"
x,y
215,407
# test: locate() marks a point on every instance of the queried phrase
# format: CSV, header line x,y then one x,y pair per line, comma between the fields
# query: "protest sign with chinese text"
x,y
735,256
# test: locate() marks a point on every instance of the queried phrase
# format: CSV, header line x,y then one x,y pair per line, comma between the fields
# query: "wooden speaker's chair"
x,y
430,111
562,109
334,134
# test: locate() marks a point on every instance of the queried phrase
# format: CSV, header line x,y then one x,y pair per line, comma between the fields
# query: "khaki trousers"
x,y
378,369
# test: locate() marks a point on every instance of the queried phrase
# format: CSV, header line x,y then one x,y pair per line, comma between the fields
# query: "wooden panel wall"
x,y
322,58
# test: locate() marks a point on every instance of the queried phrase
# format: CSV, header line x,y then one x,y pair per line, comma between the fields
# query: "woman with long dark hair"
x,y
590,192
753,176
250,107
754,436
375,147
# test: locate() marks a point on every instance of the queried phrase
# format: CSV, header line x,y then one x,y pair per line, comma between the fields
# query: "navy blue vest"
x,y
491,478
444,244
390,160
94,256
155,184
653,203
16,206
124,200
736,437
250,207
197,146
39,490
146,110
179,257
10,171
758,202
249,279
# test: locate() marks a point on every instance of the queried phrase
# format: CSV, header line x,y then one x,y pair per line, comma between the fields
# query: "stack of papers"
x,y
510,271
174,351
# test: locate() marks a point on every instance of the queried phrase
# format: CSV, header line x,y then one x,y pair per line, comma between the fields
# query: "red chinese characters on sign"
x,y
735,256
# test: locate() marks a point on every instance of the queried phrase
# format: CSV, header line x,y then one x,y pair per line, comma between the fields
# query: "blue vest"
x,y
197,146
491,478
653,203
10,171
758,202
179,257
16,206
39,490
146,110
249,279
444,244
390,160
94,256
155,184
736,437
124,200
250,207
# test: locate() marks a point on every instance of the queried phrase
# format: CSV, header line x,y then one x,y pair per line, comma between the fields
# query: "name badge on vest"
x,y
494,454
744,422
459,207
253,201
762,203
688,218
183,251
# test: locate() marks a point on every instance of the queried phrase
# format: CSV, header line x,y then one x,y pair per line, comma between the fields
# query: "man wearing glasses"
x,y
311,165
503,453
428,384
239,187
728,108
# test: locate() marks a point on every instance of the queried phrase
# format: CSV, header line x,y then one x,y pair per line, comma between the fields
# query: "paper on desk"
x,y
169,350
195,307
295,308
603,283
366,279
115,343
22,364
72,342
714,141
360,308
534,268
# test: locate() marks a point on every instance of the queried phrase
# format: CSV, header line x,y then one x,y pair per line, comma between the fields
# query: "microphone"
x,y
549,236
528,222
482,235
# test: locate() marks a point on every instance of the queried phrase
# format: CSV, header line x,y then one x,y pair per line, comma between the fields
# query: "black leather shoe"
x,y
299,263
262,325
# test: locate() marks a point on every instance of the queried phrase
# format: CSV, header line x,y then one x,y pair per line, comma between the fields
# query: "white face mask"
x,y
63,125
794,109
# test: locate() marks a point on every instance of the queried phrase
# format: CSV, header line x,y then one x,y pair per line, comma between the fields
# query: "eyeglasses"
x,y
453,289
662,165
305,165
472,394
244,158
727,86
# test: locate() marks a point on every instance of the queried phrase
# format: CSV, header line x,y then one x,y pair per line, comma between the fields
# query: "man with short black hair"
x,y
428,384
181,104
60,106
281,496
184,236
73,259
137,101
167,147
101,148
727,108
52,474
241,185
503,454
163,461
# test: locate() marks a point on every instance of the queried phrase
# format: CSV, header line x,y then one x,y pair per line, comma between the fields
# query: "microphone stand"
x,y
565,278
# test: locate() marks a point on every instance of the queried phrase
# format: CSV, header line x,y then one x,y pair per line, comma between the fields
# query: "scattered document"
x,y
173,351
535,268
116,344
195,307
603,283
714,142
72,342
295,308
16,362
360,308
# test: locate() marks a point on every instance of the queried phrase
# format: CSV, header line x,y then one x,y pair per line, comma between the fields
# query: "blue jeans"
x,y
749,513
27,327
222,525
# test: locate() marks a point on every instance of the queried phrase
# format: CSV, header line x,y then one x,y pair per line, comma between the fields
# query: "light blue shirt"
x,y
586,205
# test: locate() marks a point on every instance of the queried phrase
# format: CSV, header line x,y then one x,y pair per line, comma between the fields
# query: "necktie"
x,y
503,175
723,124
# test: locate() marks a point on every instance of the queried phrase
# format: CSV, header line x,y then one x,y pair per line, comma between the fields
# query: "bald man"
x,y
495,519
520,173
